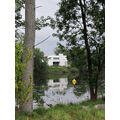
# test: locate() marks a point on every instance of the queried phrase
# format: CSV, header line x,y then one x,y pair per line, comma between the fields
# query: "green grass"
x,y
65,112
61,69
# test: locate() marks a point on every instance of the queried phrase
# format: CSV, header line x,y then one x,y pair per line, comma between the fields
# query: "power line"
x,y
38,6
42,41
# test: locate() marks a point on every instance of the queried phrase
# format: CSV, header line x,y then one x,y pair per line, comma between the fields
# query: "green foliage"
x,y
20,22
77,58
19,4
70,27
40,64
40,111
57,69
60,49
19,67
40,69
62,69
44,22
21,91
66,112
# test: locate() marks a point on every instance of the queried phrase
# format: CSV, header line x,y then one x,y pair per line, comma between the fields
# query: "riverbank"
x,y
61,70
81,111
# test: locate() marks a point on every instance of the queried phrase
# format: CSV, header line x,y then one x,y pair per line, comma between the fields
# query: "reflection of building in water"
x,y
60,84
59,92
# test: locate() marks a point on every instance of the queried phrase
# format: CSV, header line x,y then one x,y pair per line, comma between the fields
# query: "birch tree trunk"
x,y
28,44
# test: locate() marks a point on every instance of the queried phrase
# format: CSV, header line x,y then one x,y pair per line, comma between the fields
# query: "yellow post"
x,y
74,81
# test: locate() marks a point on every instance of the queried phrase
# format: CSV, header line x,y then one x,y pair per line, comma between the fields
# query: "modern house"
x,y
57,60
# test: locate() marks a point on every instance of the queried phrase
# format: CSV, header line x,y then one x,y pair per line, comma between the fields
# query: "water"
x,y
59,90
50,90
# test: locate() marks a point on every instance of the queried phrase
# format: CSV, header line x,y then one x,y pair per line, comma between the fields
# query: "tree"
x,y
29,45
40,64
20,23
30,24
19,68
21,91
81,24
19,4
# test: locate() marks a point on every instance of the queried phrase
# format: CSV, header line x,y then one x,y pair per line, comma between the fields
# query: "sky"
x,y
49,7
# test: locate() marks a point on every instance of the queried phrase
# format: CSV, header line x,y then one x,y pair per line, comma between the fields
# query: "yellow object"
x,y
74,81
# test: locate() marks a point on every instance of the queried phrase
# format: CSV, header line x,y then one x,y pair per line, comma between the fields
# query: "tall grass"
x,y
66,112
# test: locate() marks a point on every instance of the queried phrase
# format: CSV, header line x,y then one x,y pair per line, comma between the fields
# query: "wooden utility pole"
x,y
28,44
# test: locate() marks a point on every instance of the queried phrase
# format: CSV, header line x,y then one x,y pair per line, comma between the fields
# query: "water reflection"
x,y
61,90
58,84
55,89
64,97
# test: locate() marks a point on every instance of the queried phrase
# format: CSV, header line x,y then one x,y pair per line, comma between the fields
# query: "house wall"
x,y
62,59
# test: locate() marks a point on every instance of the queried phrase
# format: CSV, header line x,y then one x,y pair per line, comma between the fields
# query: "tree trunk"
x,y
28,44
91,86
93,93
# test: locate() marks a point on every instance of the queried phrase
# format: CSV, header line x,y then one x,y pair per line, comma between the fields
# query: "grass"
x,y
61,69
65,112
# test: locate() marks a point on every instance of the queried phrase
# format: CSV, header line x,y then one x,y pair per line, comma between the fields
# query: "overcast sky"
x,y
49,7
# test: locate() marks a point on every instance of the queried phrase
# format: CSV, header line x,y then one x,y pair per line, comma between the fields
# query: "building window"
x,y
56,63
56,58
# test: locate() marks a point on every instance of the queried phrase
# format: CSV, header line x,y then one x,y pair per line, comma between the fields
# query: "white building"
x,y
59,60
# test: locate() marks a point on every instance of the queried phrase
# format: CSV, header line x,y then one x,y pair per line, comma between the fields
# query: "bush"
x,y
62,69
